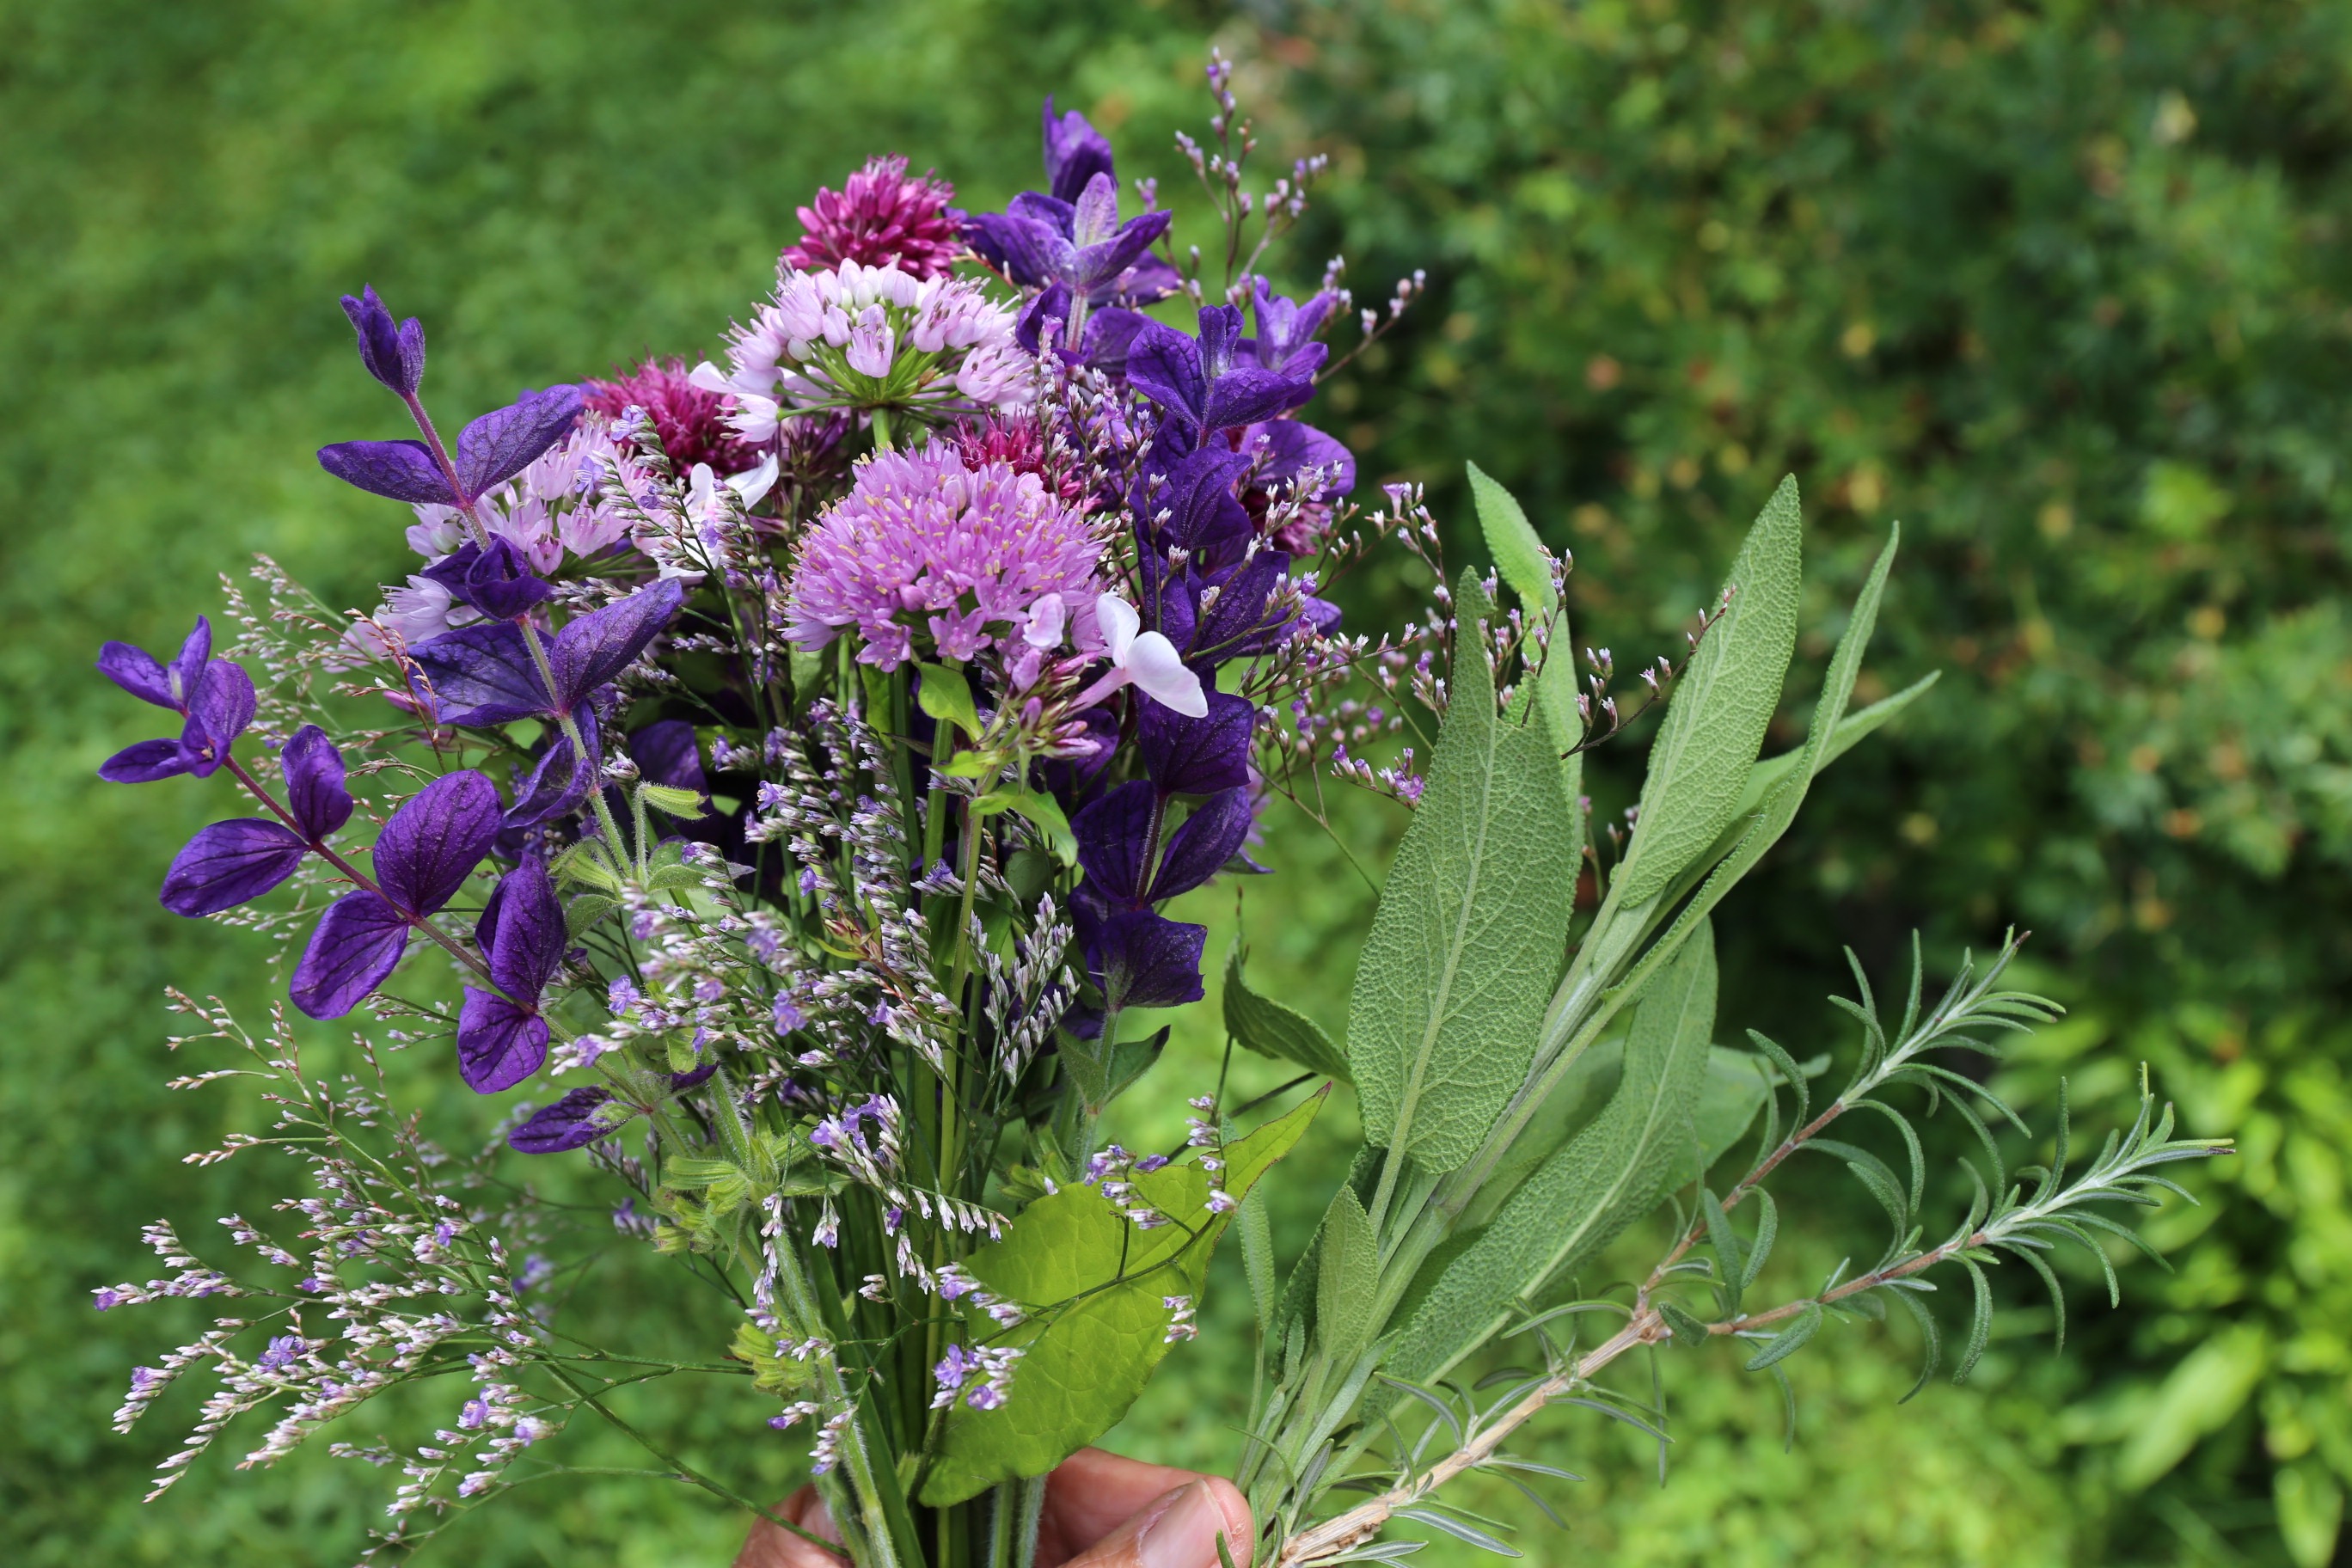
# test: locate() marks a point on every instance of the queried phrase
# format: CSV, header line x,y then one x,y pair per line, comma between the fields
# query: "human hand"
x,y
1101,1512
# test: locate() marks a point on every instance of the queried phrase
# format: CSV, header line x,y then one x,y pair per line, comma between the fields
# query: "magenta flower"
x,y
690,421
963,554
882,213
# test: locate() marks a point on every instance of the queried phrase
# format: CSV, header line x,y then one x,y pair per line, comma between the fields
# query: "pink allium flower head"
x,y
690,420
923,543
882,215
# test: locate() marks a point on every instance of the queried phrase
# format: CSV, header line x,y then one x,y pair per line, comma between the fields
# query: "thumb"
x,y
1178,1528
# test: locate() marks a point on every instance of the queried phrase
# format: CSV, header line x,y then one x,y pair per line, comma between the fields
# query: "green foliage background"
x,y
2064,287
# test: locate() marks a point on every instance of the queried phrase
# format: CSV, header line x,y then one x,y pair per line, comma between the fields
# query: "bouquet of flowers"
x,y
791,758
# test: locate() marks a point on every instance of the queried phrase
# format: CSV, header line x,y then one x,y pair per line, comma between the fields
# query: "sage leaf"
x,y
1469,935
1585,1195
1264,1026
1094,1289
1347,1276
1715,722
1520,560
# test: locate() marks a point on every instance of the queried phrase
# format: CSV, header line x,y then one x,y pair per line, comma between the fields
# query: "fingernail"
x,y
1183,1535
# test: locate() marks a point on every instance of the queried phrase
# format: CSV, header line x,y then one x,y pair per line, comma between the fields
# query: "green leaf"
x,y
1271,1029
1715,722
1257,1260
970,765
946,696
583,866
2310,1505
1767,1230
1520,559
2208,1386
1791,1340
1102,1072
1044,813
676,802
585,911
1706,882
1519,555
1688,1331
1585,1195
1347,1277
1467,941
1092,1286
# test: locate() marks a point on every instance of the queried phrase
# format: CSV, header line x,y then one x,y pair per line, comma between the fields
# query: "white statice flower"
x,y
869,338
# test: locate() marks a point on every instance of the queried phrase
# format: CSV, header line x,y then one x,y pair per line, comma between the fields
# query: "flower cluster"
x,y
795,762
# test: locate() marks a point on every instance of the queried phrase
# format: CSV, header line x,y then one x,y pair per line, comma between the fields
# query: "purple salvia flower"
x,y
394,354
234,862
579,1118
502,1039
423,857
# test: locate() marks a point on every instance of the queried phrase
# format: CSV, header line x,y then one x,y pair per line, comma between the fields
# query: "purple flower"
x,y
1286,331
924,542
1197,756
502,1039
214,696
234,862
490,451
283,1351
561,778
483,673
423,857
1075,152
1071,236
690,421
1202,385
498,582
882,216
395,355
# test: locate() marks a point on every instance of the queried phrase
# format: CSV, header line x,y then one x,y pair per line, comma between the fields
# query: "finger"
x,y
1091,1494
769,1547
1178,1530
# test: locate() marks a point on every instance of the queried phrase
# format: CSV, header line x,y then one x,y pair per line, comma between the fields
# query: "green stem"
x,y
684,1470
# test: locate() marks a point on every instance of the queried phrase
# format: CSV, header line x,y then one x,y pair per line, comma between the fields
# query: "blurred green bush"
x,y
2064,288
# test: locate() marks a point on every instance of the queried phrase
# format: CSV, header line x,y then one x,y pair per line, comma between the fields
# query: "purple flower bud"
x,y
395,355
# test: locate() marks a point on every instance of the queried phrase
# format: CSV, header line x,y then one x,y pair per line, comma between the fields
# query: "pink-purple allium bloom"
x,y
882,213
974,557
869,338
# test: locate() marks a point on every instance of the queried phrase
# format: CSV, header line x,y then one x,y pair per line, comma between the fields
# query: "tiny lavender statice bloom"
x,y
874,339
882,215
924,543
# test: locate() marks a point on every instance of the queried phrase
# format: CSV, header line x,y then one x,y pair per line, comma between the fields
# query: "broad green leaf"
x,y
1601,1181
1347,1277
1095,1288
1703,884
1519,555
1715,722
1045,814
1271,1029
1729,1095
1520,560
946,696
1468,938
